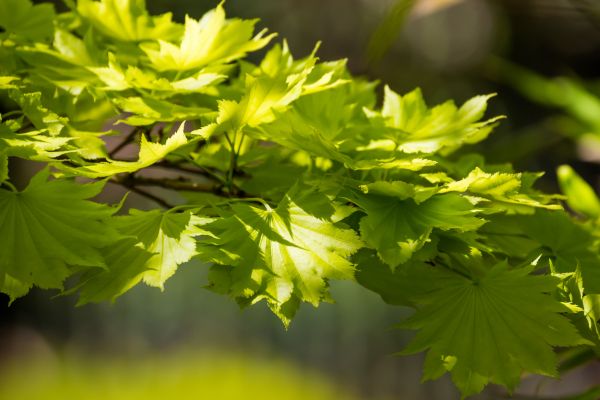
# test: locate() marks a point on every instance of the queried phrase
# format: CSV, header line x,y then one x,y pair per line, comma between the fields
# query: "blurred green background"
x,y
542,57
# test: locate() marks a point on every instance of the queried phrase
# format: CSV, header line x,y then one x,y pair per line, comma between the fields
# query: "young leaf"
x,y
168,236
210,40
125,263
149,154
397,228
148,111
127,20
501,192
283,255
442,129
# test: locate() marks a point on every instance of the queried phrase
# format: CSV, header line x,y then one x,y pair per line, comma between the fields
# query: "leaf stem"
x,y
232,162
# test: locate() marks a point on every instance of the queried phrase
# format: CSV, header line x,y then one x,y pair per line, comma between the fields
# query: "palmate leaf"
x,y
168,236
148,110
501,192
149,154
441,129
33,145
125,264
404,286
490,329
283,255
212,39
127,20
154,244
117,78
568,244
271,87
22,18
49,227
325,124
40,116
64,64
398,228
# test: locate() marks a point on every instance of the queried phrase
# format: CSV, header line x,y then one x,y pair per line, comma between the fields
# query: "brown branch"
x,y
173,184
134,182
125,142
150,196
206,172
141,192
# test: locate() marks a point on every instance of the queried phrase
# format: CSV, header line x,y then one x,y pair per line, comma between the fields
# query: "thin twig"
x,y
124,143
173,184
142,192
201,171
150,196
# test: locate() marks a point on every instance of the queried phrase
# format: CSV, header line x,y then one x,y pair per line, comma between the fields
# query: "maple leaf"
x,y
283,255
168,236
49,227
567,243
25,19
441,129
397,228
127,20
212,39
491,328
501,192
125,265
149,154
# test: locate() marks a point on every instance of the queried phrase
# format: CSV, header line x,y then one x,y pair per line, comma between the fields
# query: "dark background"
x,y
451,49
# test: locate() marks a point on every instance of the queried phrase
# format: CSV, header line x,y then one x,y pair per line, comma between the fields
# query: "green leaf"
x,y
148,110
168,236
50,227
443,128
490,329
501,192
13,287
263,96
271,88
127,20
210,40
580,195
6,82
149,154
571,247
398,228
126,263
116,78
32,145
40,116
22,18
283,255
403,286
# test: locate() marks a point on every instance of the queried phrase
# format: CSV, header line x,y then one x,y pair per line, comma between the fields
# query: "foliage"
x,y
284,174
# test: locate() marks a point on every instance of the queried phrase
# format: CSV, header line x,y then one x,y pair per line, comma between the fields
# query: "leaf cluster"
x,y
283,175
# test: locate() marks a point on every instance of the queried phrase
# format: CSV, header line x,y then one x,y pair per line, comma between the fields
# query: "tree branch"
x,y
125,142
173,184
142,192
